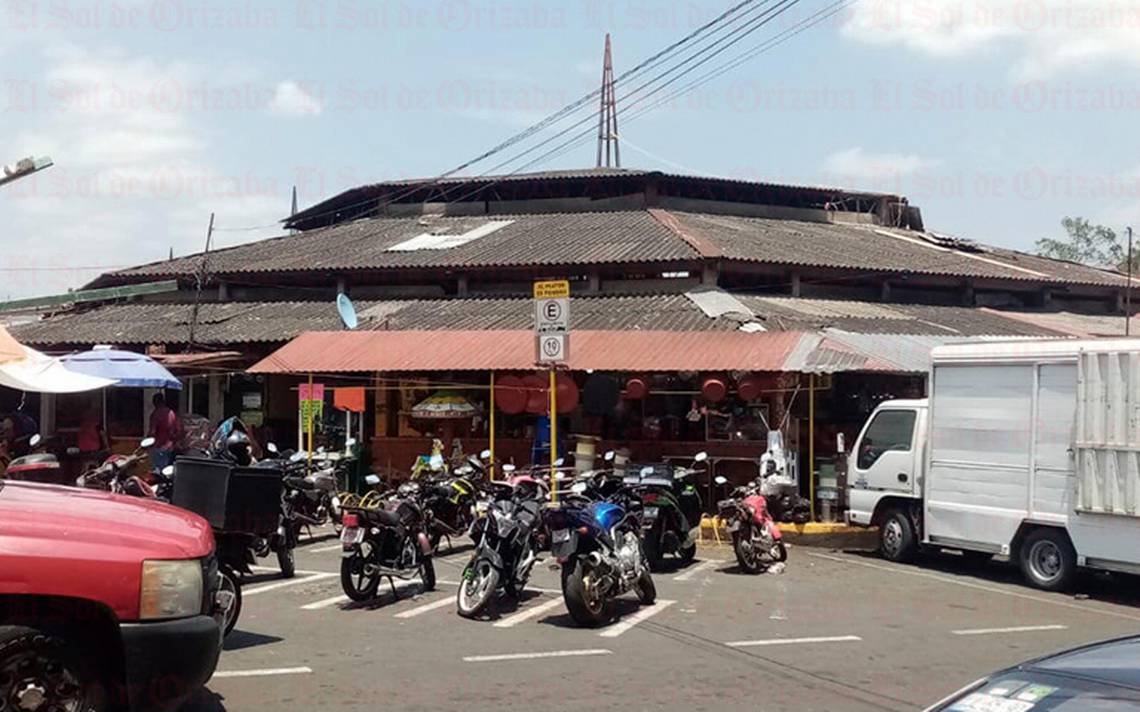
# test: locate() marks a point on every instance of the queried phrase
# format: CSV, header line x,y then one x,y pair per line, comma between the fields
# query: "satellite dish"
x,y
347,311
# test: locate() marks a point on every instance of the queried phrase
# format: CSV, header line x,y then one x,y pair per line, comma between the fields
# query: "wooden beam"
x,y
90,295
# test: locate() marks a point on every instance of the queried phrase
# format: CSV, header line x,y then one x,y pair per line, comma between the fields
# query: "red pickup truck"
x,y
106,602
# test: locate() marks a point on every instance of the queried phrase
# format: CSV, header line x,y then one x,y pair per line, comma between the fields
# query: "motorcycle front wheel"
x,y
358,585
287,560
480,581
427,573
231,587
646,589
586,604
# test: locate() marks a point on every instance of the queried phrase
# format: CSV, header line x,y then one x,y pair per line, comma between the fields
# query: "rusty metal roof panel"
x,y
640,351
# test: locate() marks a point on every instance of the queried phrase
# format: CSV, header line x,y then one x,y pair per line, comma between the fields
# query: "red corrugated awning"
x,y
410,351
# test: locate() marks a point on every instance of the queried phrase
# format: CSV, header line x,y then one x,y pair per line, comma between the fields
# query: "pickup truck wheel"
x,y
1048,560
40,671
896,537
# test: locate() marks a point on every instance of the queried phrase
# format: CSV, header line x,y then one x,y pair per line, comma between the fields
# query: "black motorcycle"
x,y
451,500
505,546
390,541
671,511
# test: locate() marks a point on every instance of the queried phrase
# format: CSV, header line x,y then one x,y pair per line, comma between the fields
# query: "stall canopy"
x,y
638,351
26,369
125,368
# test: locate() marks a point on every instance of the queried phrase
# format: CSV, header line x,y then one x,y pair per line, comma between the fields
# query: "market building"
x,y
705,312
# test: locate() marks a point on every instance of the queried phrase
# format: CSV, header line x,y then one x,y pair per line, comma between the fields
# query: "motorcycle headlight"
x,y
170,589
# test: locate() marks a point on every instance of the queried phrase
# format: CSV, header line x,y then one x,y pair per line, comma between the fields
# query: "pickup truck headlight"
x,y
170,589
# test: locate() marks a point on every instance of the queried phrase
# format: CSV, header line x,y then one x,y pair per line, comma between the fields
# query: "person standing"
x,y
164,430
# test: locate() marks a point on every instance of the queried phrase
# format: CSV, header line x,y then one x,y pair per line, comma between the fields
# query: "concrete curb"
x,y
816,534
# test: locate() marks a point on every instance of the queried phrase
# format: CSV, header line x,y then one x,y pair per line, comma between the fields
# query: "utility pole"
x,y
24,168
200,281
607,117
1128,290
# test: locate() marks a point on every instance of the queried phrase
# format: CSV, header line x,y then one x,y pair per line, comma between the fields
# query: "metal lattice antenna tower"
x,y
607,117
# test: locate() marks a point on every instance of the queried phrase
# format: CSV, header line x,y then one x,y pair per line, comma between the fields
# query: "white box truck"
x,y
1026,449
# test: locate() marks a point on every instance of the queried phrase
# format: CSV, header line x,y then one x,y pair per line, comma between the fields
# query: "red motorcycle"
x,y
117,475
756,538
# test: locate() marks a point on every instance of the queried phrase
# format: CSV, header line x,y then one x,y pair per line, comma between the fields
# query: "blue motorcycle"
x,y
595,535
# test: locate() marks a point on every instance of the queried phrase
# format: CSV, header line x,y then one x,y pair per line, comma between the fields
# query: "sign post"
x,y
552,348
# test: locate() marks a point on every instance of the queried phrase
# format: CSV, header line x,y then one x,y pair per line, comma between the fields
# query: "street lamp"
x,y
24,167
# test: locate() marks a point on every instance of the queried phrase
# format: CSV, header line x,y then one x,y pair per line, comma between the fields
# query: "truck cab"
x,y
885,473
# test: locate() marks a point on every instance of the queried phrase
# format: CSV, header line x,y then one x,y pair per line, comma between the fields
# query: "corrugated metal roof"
x,y
1069,324
234,323
406,351
550,239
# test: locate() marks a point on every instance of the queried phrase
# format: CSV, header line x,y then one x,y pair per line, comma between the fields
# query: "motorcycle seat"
x,y
384,517
299,483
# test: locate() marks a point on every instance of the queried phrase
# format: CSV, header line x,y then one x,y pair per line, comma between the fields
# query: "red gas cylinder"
x,y
568,394
509,394
750,387
636,389
714,389
537,398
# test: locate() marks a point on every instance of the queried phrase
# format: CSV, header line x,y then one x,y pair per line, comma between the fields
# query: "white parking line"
x,y
426,608
303,572
291,582
325,549
263,673
526,615
1015,629
946,579
793,641
536,656
326,603
625,624
693,571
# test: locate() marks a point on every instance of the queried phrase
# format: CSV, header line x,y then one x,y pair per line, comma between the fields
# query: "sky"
x,y
996,117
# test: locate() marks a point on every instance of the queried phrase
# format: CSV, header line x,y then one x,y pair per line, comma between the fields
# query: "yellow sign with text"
x,y
558,289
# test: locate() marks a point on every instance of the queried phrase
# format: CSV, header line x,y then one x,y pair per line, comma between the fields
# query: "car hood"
x,y
119,527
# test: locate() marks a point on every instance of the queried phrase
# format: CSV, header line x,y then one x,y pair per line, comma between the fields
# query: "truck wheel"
x,y
1048,560
896,537
39,671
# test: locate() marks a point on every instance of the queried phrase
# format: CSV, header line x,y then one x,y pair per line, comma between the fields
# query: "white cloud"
x,y
857,162
1048,36
133,174
291,99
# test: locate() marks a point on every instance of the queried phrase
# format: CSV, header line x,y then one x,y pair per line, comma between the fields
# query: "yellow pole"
x,y
553,433
492,436
310,419
811,443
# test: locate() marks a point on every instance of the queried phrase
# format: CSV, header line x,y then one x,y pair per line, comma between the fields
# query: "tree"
x,y
1088,244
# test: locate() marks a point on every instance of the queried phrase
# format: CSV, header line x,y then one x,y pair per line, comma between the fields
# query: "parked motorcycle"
x,y
390,541
756,538
117,474
36,466
451,500
671,513
595,537
505,544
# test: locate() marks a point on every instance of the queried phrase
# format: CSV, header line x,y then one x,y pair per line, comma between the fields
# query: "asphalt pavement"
x,y
835,631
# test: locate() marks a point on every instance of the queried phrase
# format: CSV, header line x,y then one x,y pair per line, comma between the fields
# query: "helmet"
x,y
238,448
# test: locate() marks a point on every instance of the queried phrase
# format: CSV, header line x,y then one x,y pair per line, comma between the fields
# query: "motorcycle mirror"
x,y
168,470
35,440
701,457
350,443
272,447
559,462
485,455
720,480
578,488
508,468
372,480
148,442
609,456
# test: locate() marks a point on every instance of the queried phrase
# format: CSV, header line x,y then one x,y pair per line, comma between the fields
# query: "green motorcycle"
x,y
671,512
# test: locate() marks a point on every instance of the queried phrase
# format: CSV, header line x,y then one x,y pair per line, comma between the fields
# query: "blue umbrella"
x,y
127,369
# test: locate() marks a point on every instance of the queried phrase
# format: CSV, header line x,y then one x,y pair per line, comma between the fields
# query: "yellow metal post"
x,y
811,443
491,445
553,433
310,419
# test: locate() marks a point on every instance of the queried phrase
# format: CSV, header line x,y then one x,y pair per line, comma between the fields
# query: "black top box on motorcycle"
x,y
230,498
